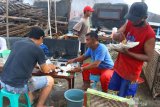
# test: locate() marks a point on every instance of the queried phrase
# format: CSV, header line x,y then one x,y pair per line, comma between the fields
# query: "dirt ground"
x,y
143,96
57,99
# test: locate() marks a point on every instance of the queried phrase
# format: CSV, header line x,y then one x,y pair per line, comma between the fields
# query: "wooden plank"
x,y
16,18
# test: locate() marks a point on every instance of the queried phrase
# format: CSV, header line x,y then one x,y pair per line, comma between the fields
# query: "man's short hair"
x,y
36,32
92,34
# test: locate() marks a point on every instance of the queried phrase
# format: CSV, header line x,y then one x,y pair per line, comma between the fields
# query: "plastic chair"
x,y
14,99
94,80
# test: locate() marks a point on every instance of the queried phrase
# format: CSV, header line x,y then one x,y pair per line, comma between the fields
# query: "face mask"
x,y
140,24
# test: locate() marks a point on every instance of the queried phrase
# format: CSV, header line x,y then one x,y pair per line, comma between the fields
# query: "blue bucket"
x,y
74,97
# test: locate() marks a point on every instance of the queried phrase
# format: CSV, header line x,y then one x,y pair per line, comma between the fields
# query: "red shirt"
x,y
126,66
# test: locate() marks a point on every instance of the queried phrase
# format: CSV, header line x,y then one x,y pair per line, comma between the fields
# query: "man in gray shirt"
x,y
83,27
17,71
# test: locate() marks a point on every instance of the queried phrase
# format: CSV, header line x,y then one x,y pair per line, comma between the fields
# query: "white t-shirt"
x,y
3,45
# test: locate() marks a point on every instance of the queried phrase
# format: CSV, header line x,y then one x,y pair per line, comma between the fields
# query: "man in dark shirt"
x,y
17,71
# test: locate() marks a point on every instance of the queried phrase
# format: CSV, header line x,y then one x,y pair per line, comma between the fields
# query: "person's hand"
x,y
70,61
77,69
53,67
118,36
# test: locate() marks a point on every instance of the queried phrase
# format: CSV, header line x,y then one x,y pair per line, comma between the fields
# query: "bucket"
x,y
74,97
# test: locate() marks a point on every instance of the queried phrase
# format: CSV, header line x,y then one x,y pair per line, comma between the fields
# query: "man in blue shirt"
x,y
45,49
101,62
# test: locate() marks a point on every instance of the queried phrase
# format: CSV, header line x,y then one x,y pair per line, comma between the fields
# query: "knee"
x,y
106,76
50,80
104,79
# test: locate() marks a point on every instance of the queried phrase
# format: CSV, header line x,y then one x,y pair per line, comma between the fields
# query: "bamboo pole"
x,y
7,27
15,18
55,15
49,17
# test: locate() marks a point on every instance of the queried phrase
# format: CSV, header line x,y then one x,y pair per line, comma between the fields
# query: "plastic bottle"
x,y
114,30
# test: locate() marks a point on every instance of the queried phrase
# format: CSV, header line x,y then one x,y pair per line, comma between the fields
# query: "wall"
x,y
78,5
77,8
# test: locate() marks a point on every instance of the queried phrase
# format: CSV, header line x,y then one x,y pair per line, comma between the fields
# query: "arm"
x,y
99,57
95,64
78,59
75,32
148,49
81,58
119,36
77,28
46,68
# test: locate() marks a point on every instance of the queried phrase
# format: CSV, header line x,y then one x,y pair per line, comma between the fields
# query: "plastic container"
x,y
95,79
114,30
74,97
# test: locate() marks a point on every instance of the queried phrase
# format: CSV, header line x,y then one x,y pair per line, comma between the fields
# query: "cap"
x,y
88,8
138,10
